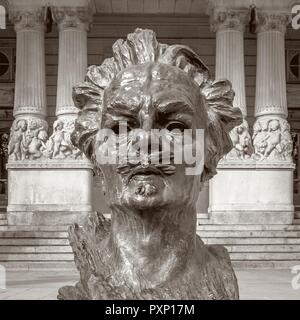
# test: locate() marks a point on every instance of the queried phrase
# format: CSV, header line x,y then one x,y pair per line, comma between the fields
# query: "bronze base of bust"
x,y
211,277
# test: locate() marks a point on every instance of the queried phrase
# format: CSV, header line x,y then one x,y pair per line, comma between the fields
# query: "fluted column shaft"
x,y
270,73
72,67
73,24
30,89
229,27
271,132
30,85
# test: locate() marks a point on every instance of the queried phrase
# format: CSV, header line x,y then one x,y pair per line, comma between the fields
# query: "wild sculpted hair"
x,y
142,47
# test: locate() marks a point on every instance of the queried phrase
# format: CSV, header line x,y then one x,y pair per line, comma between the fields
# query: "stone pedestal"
x,y
48,193
253,193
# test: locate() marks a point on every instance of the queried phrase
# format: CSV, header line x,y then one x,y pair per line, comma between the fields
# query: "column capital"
x,y
29,18
72,17
272,21
231,19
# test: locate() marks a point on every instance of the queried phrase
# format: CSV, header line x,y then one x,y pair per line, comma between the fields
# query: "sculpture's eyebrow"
x,y
120,107
175,106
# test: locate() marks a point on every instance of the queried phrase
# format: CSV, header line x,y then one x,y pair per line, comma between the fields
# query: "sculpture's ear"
x,y
222,118
87,98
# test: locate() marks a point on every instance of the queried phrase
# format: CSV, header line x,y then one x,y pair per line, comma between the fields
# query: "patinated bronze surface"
x,y
149,249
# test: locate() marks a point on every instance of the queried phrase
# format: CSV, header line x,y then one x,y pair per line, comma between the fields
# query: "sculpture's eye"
x,y
121,127
172,125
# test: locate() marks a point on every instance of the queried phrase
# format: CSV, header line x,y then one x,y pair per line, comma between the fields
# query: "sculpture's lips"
x,y
144,171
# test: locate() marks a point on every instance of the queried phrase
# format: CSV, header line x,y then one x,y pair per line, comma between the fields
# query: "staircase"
x,y
255,246
34,247
249,246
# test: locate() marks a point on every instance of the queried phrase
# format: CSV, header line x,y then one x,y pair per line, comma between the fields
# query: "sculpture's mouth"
x,y
141,173
145,172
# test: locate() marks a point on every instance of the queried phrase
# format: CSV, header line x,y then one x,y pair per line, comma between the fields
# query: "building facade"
x,y
46,183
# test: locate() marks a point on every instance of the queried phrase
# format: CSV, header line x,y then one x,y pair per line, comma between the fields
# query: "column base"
x,y
250,192
49,192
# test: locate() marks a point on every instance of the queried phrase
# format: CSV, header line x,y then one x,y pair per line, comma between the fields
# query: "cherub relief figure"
x,y
75,152
37,146
287,141
60,145
272,139
241,140
17,143
150,249
35,138
260,129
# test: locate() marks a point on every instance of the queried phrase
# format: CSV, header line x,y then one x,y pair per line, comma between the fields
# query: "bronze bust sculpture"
x,y
149,249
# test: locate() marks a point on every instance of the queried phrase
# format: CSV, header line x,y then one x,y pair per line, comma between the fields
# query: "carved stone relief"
x,y
59,145
242,143
272,140
27,139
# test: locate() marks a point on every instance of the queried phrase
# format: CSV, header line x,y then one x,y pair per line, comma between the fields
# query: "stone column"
x,y
229,26
259,185
50,182
271,132
73,24
30,85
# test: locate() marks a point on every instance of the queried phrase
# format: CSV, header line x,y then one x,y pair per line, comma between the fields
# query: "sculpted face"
x,y
150,96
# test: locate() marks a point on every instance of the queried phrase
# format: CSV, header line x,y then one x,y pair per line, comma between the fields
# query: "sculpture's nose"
x,y
147,115
142,142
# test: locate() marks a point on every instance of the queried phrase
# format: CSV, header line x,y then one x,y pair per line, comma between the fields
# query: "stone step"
x,y
32,242
34,234
3,216
70,265
3,223
264,264
248,234
242,241
265,256
203,221
35,249
262,248
208,222
39,265
202,216
35,228
250,227
2,208
36,257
